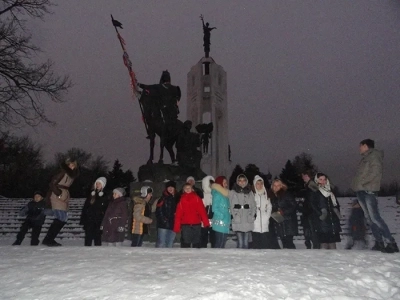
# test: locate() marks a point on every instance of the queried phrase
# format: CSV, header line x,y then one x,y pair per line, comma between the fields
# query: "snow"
x,y
76,272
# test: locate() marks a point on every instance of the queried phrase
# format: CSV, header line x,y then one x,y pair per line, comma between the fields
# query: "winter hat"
x,y
38,193
119,191
190,178
145,190
220,180
170,184
103,182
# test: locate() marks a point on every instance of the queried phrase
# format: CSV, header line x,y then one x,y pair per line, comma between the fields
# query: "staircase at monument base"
x,y
10,222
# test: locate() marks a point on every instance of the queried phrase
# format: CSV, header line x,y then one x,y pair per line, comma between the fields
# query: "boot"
x,y
391,248
54,230
17,243
379,246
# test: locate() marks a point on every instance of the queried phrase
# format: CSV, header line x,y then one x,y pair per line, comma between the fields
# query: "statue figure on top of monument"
x,y
207,36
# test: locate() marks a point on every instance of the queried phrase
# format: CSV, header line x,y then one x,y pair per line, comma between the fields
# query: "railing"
x,y
10,222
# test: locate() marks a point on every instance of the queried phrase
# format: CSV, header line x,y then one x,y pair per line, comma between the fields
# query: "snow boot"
x,y
391,248
54,230
379,246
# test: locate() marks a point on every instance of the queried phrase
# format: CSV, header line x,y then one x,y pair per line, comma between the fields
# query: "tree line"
x,y
23,169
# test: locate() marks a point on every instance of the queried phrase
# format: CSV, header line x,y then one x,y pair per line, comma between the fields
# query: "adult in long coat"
x,y
58,199
115,219
328,214
284,204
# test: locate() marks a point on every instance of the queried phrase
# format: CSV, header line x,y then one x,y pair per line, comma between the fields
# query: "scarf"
x,y
326,191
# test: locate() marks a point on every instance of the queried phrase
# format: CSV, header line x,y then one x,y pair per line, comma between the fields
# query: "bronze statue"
x,y
160,113
207,36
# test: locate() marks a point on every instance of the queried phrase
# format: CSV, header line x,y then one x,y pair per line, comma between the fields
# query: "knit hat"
x,y
103,182
170,184
119,191
145,190
38,193
220,180
190,178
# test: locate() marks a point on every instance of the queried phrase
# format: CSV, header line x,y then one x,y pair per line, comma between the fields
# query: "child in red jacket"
x,y
190,213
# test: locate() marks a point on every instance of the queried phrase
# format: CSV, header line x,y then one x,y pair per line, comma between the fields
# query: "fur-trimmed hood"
x,y
205,184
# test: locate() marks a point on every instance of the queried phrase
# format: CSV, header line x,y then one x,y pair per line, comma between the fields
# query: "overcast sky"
x,y
313,76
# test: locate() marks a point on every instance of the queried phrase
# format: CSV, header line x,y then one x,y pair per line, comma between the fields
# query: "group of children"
x,y
257,216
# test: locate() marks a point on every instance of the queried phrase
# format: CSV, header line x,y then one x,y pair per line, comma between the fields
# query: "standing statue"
x,y
187,145
160,113
207,36
205,135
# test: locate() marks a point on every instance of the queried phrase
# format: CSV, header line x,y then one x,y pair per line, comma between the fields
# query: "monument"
x,y
207,104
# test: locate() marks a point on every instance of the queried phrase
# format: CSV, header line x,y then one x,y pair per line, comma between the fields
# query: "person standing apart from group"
x,y
243,210
367,184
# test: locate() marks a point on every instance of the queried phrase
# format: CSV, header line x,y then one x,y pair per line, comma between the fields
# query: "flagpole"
x,y
128,64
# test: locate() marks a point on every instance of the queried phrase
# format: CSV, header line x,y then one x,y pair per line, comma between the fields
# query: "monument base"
x,y
161,172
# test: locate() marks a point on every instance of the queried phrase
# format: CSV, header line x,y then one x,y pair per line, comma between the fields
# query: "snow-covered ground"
x,y
76,272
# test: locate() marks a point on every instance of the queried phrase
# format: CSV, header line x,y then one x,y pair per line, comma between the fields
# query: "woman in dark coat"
x,y
165,213
115,219
284,205
327,214
93,212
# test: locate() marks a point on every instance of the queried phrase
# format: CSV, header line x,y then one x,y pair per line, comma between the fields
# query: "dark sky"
x,y
313,76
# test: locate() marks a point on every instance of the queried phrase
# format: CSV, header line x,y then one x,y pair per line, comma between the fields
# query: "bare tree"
x,y
24,84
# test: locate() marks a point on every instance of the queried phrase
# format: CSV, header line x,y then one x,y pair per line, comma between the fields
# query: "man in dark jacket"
x,y
367,184
34,219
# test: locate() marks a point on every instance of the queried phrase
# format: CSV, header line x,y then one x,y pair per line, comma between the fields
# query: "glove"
x,y
324,214
121,229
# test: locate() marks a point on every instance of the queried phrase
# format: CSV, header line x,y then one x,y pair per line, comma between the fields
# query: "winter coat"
x,y
34,212
58,193
221,219
190,211
264,208
243,208
165,210
114,221
141,216
285,203
331,223
94,209
307,207
207,197
369,172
